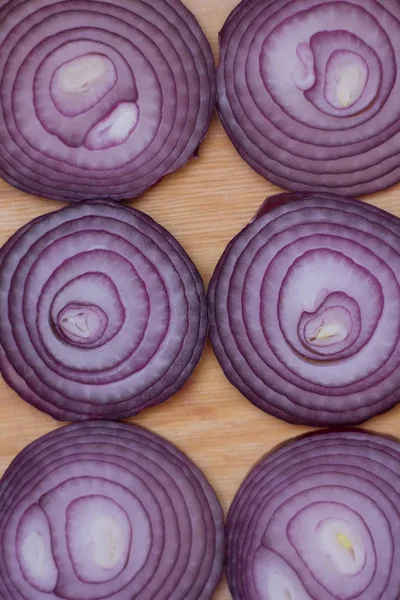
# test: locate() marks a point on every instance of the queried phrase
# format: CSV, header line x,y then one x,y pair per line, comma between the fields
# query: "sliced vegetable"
x,y
100,99
103,313
304,309
108,510
308,92
318,518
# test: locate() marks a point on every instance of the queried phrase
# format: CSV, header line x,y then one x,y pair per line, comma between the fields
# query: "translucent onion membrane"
x,y
103,313
100,99
308,92
318,519
105,510
304,309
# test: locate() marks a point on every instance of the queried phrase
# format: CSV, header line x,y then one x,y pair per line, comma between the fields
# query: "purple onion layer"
x,y
308,92
318,519
304,309
108,510
103,313
100,99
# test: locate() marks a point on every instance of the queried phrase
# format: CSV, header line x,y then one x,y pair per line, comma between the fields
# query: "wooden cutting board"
x,y
203,205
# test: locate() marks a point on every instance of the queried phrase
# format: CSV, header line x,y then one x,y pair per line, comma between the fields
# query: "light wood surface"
x,y
204,205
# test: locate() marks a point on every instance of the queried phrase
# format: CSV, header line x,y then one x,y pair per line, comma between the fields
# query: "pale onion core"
x,y
83,323
80,74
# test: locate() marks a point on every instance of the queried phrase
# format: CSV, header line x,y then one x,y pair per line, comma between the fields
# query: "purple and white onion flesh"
x,y
318,519
304,309
100,99
108,510
102,312
308,92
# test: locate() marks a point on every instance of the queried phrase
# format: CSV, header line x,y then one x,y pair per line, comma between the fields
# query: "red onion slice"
x,y
308,92
318,519
304,309
104,314
99,99
105,510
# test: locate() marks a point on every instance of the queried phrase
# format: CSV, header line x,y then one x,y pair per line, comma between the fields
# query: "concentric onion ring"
x,y
103,313
304,309
308,92
318,519
104,510
100,99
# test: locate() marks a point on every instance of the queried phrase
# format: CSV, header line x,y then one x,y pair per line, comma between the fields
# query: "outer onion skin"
x,y
308,92
128,516
99,99
102,312
304,310
318,518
